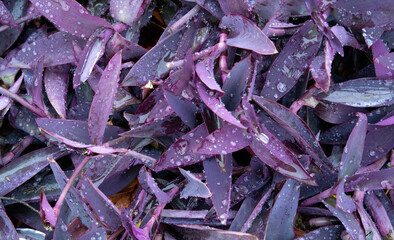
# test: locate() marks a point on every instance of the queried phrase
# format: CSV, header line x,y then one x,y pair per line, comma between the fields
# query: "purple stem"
x,y
183,20
19,21
320,222
307,99
23,102
223,57
70,182
319,197
18,149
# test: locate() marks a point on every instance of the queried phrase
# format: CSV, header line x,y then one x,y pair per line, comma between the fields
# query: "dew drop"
x,y
281,87
264,138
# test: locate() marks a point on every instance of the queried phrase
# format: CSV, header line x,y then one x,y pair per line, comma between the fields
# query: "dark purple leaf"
x,y
336,113
348,220
56,84
194,186
378,142
344,202
292,61
179,155
129,49
236,82
153,64
368,224
47,213
128,11
363,92
94,232
327,233
205,71
383,179
70,16
184,108
216,105
104,209
37,84
57,49
25,167
103,99
161,196
61,230
225,140
219,182
7,229
379,49
281,217
386,60
211,6
245,34
353,151
296,127
364,13
6,17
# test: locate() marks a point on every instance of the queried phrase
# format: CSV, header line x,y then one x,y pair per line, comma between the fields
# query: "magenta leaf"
x,y
153,64
245,34
353,151
103,99
194,187
179,154
216,105
281,217
128,11
47,213
292,61
70,16
386,60
225,140
56,84
24,168
219,183
363,92
344,202
364,13
57,49
161,196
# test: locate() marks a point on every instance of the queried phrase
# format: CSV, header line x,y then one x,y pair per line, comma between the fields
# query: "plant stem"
x,y
223,57
183,20
19,21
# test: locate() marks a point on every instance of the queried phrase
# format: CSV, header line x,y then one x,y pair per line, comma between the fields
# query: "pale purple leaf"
x,y
37,84
161,196
363,92
363,13
327,233
281,217
344,202
92,52
70,16
7,229
345,37
292,61
227,139
6,17
184,108
353,151
57,49
104,209
366,220
47,213
103,99
153,64
380,49
130,50
386,60
56,84
25,167
236,82
383,179
5,101
320,73
349,221
179,155
194,187
205,71
190,232
296,127
128,11
219,182
245,34
216,105
379,141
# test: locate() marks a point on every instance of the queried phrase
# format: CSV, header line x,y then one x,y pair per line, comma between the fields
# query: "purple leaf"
x,y
336,113
216,105
6,17
104,209
383,179
346,38
189,232
364,13
245,34
70,16
344,202
56,84
292,61
161,196
378,143
386,60
219,182
94,232
328,232
179,155
153,64
281,217
25,167
103,99
380,49
296,127
225,140
363,92
194,186
236,82
184,108
321,68
37,84
348,220
205,72
47,213
353,151
92,52
130,50
212,6
128,11
57,49
7,229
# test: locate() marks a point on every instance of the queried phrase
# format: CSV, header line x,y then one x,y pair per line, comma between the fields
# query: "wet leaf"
x,y
194,186
56,85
